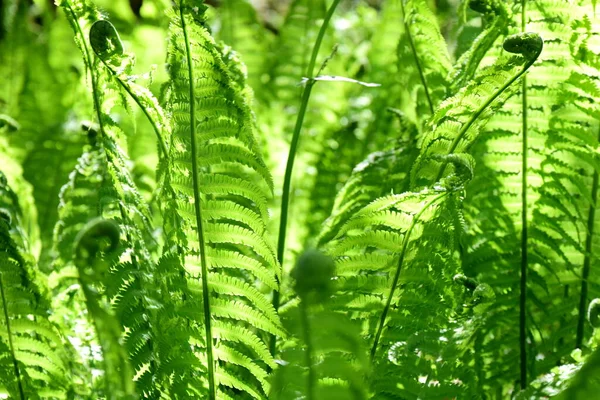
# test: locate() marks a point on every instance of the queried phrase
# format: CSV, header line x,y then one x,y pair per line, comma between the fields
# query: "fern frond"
x,y
364,185
33,354
220,186
547,165
129,284
382,275
578,135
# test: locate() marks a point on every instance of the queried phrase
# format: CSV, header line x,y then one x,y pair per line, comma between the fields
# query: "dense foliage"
x,y
323,199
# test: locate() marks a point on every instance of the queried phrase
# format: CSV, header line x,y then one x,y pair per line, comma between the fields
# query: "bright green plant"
x,y
352,200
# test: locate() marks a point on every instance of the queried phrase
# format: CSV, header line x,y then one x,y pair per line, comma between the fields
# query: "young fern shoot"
x,y
97,237
452,129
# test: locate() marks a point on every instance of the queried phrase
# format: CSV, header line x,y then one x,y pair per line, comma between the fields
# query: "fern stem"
x,y
417,62
198,212
388,302
287,180
10,341
306,333
89,61
587,260
524,250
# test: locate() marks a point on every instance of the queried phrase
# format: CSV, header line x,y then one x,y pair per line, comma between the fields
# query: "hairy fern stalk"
x,y
431,234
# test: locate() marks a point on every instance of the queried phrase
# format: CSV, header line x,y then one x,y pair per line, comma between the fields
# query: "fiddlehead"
x,y
527,44
107,45
98,238
105,40
487,6
464,165
594,313
312,275
98,235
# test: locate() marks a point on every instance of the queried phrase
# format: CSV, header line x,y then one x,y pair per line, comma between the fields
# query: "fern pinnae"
x,y
392,289
466,66
16,368
34,343
198,211
221,191
587,261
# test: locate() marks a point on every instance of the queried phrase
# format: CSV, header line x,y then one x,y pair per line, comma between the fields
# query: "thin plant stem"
x,y
417,62
524,250
10,341
587,260
287,180
306,333
198,212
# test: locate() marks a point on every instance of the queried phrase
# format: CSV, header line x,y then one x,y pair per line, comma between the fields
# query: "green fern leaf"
x,y
34,357
220,186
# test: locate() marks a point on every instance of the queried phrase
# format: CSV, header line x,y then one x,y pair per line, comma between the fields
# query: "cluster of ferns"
x,y
329,199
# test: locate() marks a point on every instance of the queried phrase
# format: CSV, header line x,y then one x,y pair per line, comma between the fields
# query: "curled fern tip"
x,y
527,44
105,40
98,235
594,313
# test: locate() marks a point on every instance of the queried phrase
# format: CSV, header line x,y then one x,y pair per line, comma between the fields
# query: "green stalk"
x,y
287,180
198,212
524,253
10,341
388,302
587,260
306,333
417,62
86,53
